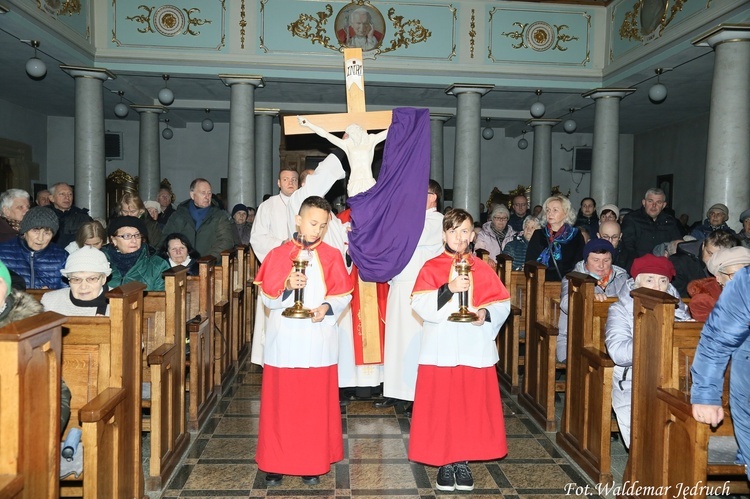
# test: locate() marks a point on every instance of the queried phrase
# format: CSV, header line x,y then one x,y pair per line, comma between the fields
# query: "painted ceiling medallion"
x,y
169,20
540,36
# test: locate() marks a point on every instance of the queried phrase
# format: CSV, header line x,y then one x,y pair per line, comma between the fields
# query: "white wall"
x,y
679,149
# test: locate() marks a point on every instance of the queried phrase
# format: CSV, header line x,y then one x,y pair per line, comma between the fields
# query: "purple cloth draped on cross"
x,y
387,220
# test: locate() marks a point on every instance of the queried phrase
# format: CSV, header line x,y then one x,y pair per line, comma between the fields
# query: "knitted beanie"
x,y
39,217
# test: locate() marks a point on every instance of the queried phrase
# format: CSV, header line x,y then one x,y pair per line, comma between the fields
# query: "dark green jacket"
x,y
215,234
147,269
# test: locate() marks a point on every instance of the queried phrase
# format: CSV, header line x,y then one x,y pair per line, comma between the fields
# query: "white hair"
x,y
7,197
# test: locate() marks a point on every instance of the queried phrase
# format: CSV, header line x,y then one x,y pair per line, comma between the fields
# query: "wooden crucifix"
x,y
367,325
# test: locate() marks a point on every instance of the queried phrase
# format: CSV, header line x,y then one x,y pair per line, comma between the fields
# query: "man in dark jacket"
x,y
200,220
70,217
519,211
645,228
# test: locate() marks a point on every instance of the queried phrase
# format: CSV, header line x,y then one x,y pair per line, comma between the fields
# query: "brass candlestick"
x,y
463,267
298,310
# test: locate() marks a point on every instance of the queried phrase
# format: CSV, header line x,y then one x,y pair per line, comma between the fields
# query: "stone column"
x,y
264,153
605,162
149,151
541,163
728,158
90,167
437,120
241,170
466,165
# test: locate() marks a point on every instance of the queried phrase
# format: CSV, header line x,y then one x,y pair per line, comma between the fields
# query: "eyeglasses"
x,y
79,280
610,238
499,218
128,237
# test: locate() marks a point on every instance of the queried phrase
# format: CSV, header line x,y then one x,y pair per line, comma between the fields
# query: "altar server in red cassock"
x,y
300,420
458,414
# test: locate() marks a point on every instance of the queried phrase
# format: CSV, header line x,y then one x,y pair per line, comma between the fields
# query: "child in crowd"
x,y
458,414
300,420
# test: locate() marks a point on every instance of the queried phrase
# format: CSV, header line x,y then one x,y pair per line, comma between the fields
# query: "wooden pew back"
x,y
509,340
223,340
30,358
239,283
200,297
586,421
668,447
542,312
251,294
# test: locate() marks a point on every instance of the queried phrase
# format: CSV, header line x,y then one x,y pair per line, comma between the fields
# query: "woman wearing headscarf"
x,y
558,244
130,259
86,271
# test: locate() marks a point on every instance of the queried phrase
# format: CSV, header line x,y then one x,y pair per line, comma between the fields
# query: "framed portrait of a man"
x,y
360,26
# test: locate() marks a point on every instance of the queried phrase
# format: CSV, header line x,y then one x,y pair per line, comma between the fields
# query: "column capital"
x,y
723,33
440,117
148,109
81,72
464,88
264,111
543,122
603,93
254,80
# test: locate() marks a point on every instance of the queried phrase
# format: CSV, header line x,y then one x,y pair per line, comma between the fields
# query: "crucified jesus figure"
x,y
359,147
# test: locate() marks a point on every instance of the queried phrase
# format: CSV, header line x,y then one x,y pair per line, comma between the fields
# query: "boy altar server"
x,y
300,420
458,416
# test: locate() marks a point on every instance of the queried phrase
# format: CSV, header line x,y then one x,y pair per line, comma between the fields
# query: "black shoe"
x,y
464,480
446,480
408,409
273,479
385,403
311,480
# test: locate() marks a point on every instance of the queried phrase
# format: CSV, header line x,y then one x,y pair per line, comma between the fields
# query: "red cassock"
x,y
300,421
458,413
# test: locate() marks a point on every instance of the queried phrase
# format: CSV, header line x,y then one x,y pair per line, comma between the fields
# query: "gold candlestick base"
x,y
297,311
463,315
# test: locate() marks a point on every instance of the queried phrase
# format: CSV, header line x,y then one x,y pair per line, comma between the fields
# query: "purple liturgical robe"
x,y
388,219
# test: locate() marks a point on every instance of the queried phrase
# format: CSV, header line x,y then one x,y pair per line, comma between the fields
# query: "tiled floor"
x,y
220,462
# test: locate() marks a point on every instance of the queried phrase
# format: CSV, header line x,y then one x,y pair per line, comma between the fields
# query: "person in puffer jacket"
x,y
31,255
131,260
648,271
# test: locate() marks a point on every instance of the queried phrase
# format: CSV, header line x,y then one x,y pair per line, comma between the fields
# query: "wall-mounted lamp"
x,y
487,131
570,124
207,124
523,143
537,109
167,133
166,96
35,67
121,109
658,93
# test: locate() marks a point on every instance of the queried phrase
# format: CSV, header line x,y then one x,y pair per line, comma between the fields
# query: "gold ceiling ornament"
x,y
243,24
313,28
472,33
169,20
540,36
58,8
649,19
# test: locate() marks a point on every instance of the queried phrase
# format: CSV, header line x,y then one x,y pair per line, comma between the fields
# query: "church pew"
x,y
668,447
542,309
223,367
164,325
200,330
586,425
239,297
509,340
101,364
251,294
30,358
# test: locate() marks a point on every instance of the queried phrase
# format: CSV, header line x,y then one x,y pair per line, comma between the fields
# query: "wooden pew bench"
x,y
200,330
251,294
668,447
542,311
587,423
512,338
239,330
224,369
30,364
164,326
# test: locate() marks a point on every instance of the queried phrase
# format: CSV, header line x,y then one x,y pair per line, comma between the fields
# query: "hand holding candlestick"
x,y
461,285
297,281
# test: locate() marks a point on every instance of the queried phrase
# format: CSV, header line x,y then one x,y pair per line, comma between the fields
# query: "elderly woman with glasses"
x,y
496,232
131,260
86,270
